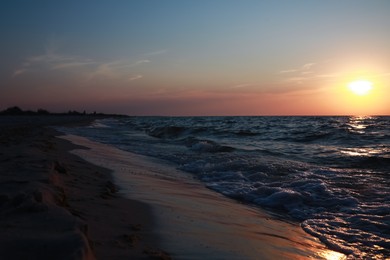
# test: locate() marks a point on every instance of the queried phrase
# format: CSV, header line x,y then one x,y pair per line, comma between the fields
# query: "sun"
x,y
360,87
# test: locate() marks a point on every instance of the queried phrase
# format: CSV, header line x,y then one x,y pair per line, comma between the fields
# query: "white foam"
x,y
195,222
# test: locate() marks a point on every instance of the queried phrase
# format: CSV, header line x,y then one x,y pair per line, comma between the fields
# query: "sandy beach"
x,y
66,197
54,205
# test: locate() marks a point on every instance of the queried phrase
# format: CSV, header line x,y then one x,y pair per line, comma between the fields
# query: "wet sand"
x,y
55,205
195,223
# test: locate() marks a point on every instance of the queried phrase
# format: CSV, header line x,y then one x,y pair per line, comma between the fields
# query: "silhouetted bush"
x,y
15,110
42,112
12,111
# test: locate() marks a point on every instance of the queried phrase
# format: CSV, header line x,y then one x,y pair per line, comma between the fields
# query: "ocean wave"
x,y
245,133
98,124
206,146
329,173
366,240
168,132
311,197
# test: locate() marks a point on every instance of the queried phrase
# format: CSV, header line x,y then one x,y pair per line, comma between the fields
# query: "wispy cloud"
x,y
107,69
52,61
312,76
111,69
299,75
154,53
307,66
309,76
142,61
304,69
72,64
287,71
85,67
135,77
18,72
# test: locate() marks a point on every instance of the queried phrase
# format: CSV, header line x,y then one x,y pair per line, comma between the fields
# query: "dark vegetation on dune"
x,y
16,111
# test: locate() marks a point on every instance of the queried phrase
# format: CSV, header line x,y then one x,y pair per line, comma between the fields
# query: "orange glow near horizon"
x,y
360,97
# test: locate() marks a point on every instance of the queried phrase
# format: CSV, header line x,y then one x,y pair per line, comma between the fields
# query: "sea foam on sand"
x,y
196,223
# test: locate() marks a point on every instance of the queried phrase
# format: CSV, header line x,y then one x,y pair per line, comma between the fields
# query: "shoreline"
x,y
194,222
59,199
55,205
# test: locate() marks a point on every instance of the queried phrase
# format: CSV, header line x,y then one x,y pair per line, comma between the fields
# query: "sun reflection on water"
x,y
357,124
332,255
362,151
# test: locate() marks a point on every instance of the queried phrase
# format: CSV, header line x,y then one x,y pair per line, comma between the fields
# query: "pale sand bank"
x,y
196,223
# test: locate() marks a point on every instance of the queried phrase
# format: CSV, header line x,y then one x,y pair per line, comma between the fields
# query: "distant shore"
x,y
55,205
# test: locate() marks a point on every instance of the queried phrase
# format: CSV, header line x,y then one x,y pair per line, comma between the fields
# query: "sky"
x,y
195,57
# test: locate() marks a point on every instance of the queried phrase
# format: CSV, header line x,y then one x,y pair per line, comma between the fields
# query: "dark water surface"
x,y
331,174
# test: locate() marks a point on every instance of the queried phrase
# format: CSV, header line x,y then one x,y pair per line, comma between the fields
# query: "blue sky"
x,y
195,57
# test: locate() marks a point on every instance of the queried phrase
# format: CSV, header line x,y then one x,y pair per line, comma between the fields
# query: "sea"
x,y
331,175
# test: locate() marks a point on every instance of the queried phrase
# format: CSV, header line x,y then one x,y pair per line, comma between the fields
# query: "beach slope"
x,y
54,205
194,222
